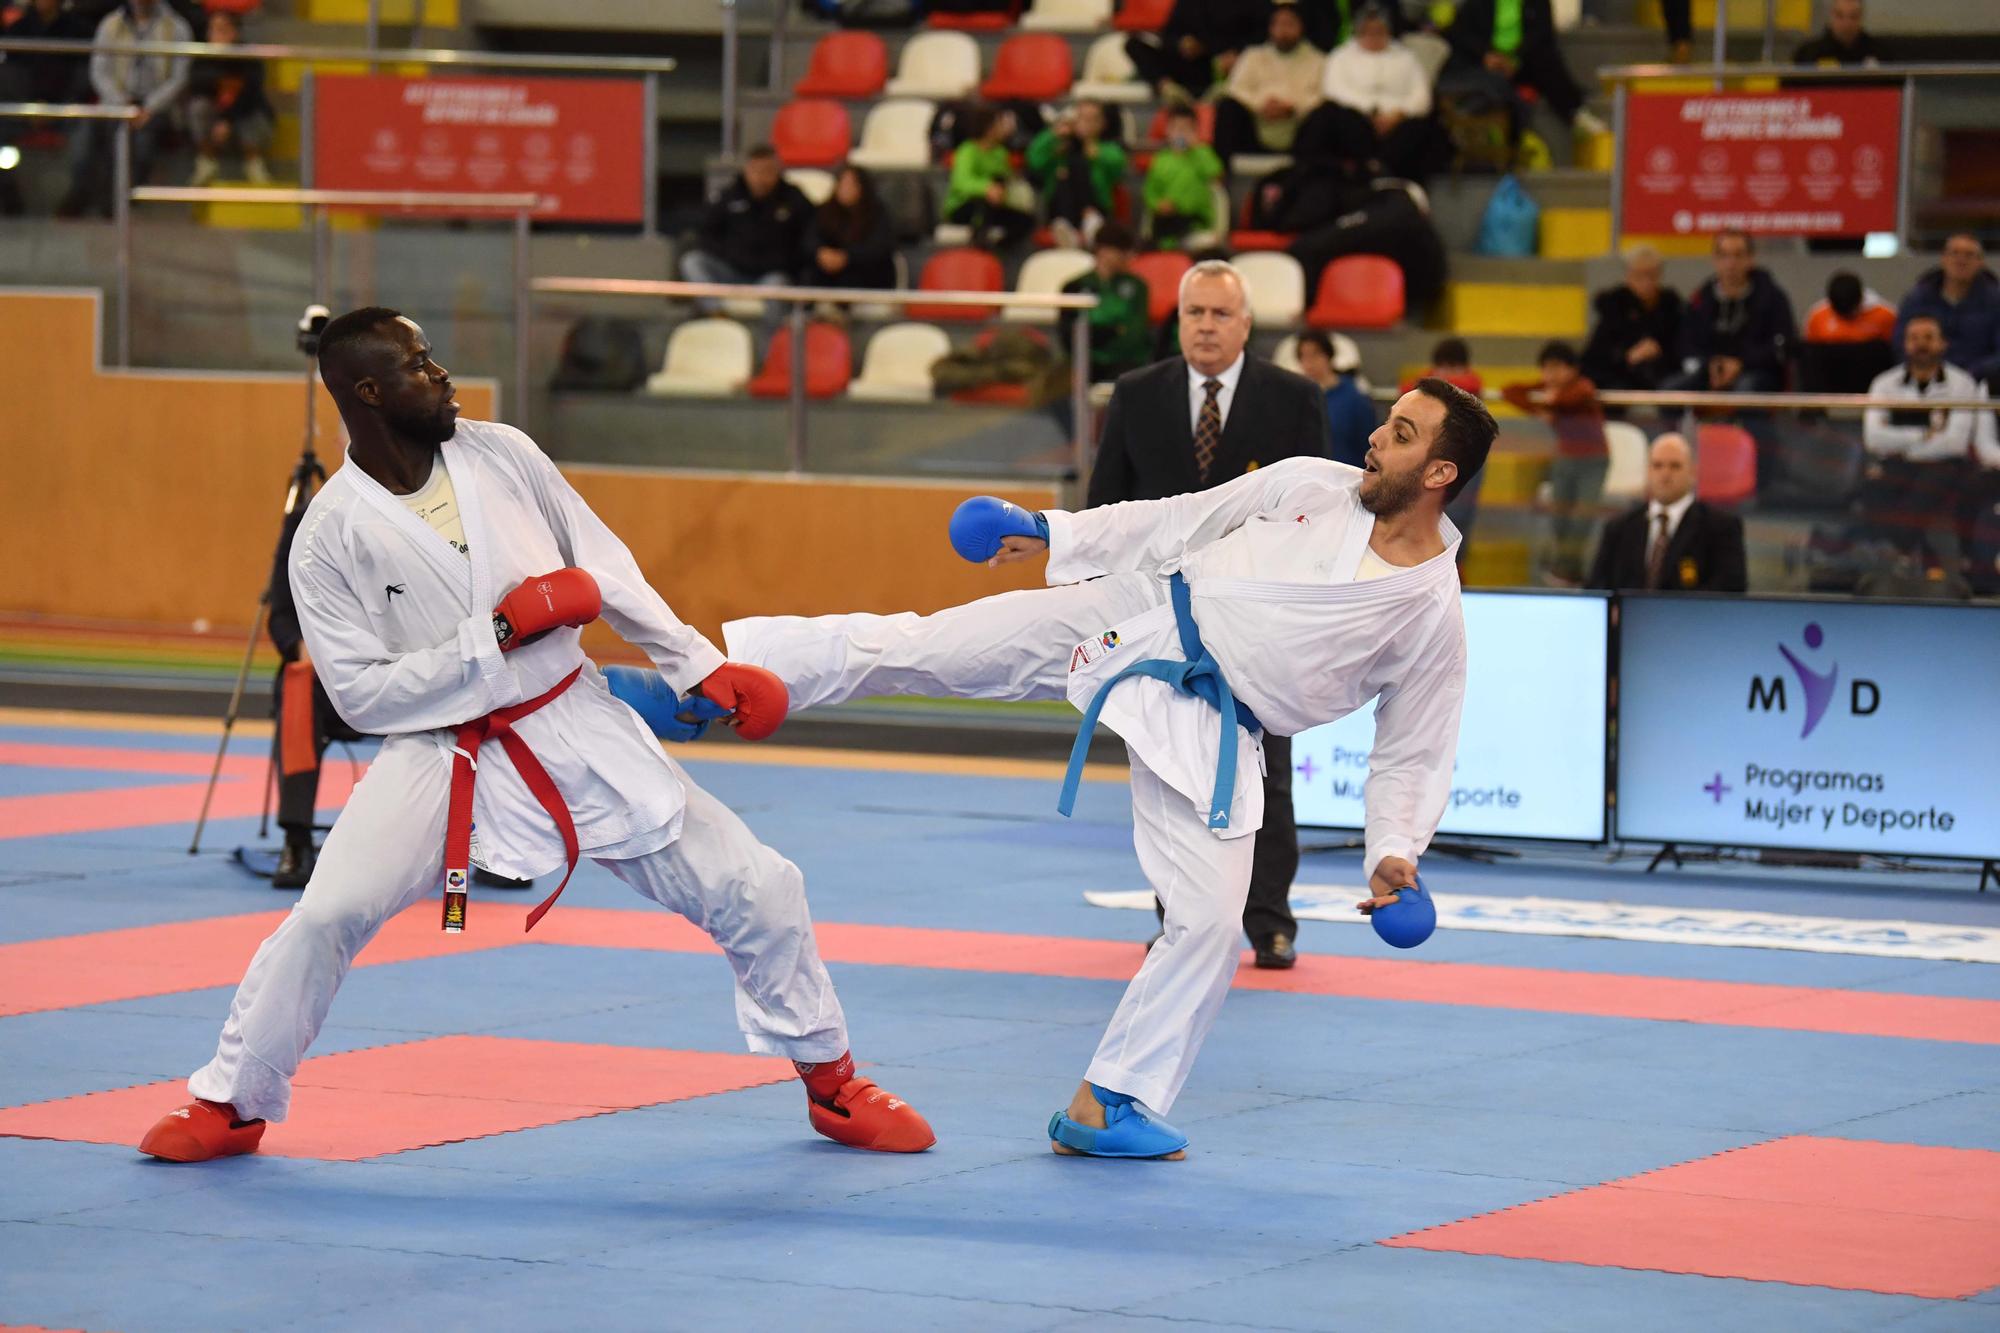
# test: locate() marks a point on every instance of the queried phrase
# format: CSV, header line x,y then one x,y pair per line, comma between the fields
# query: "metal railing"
x,y
801,299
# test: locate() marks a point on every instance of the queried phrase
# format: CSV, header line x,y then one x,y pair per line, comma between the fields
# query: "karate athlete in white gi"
x,y
442,577
1286,598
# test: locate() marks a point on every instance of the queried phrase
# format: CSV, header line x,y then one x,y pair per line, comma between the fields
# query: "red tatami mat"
x,y
419,1094
1858,1216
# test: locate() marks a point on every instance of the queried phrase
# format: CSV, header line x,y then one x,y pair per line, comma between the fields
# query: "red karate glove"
x,y
757,699
565,597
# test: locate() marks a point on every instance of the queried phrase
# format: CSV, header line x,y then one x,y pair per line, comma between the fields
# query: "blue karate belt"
x,y
1201,676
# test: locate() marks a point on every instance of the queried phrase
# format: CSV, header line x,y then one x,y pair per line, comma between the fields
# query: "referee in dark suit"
x,y
1192,422
1673,542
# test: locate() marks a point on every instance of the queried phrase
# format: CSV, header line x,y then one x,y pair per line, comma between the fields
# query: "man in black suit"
x,y
1673,542
1192,422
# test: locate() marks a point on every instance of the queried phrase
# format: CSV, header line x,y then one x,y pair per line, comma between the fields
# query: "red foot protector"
x,y
201,1132
865,1116
423,1093
1887,1217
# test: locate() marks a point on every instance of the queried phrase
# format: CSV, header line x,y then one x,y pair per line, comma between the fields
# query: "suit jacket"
x,y
1147,450
1705,554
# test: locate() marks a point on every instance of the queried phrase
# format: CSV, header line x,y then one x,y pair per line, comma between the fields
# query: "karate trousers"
x,y
386,851
1017,645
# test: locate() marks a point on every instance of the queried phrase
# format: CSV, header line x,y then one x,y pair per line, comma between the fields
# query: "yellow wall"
x,y
154,496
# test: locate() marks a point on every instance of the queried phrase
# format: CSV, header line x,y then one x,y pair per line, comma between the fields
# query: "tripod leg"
x,y
270,785
229,717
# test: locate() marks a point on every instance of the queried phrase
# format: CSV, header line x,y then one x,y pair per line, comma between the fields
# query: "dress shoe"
x,y
1275,952
295,866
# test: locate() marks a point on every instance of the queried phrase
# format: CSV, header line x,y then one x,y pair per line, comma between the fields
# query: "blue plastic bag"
x,y
1511,225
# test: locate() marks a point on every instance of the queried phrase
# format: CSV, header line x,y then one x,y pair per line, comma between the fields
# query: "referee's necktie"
x,y
1656,550
1207,430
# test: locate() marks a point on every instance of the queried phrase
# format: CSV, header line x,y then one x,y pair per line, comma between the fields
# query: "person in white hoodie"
x,y
1376,115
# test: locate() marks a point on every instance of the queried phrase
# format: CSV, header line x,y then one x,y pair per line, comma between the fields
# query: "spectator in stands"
x,y
1333,362
1847,340
1842,42
1566,399
1738,330
1271,90
1331,22
44,78
1121,335
1377,113
1672,541
1634,341
853,239
1180,200
1451,361
227,110
1919,470
755,231
980,195
1197,44
1962,294
153,84
1501,45
1078,170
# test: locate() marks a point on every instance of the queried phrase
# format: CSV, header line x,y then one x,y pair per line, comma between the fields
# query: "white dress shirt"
x,y
1675,512
1197,395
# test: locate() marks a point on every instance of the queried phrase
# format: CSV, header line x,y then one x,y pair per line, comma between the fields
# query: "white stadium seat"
x,y
1044,274
1277,286
1286,355
1068,16
1626,479
897,365
706,358
897,135
1109,75
940,65
814,184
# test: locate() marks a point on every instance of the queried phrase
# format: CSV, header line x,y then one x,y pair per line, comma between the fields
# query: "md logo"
x,y
1817,687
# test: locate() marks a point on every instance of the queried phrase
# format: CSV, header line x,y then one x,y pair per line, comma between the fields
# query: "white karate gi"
x,y
399,624
1270,559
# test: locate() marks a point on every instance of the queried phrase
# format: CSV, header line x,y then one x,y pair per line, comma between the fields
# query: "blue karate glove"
x,y
671,717
978,525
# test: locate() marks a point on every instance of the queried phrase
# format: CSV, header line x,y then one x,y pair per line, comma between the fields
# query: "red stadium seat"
x,y
1143,15
1246,237
1358,292
960,270
846,64
829,363
988,22
1162,270
1725,464
811,133
1030,67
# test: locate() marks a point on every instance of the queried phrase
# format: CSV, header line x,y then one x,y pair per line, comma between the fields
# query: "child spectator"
x,y
1451,361
1333,362
853,243
982,170
1179,200
1077,169
226,108
1567,400
1121,337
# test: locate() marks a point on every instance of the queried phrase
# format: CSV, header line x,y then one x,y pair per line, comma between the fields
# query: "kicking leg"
x,y
752,902
1014,645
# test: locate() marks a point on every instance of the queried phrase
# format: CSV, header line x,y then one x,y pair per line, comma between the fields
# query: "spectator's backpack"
x,y
601,354
1511,225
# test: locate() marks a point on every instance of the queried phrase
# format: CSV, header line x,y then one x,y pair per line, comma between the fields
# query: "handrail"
x,y
251,194
1820,73
66,111
832,295
1693,398
370,54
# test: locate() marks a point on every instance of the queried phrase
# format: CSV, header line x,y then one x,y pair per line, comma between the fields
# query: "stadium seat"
x,y
1277,287
1109,75
959,270
829,363
1246,237
811,133
1358,292
1626,479
1030,67
816,185
942,65
1725,464
1142,15
896,368
1067,16
896,136
1285,356
998,21
1043,274
1162,270
849,63
706,358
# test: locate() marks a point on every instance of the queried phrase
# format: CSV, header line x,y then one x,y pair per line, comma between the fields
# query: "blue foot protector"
x,y
1130,1130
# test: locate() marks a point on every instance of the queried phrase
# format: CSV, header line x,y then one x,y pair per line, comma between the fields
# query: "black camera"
x,y
311,324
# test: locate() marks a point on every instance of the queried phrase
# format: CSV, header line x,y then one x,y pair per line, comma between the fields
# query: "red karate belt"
x,y
499,725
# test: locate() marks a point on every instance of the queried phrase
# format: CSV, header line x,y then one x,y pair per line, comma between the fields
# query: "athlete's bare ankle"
x,y
1085,1109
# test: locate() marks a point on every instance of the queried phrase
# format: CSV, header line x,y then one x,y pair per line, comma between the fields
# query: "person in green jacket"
x,y
981,170
1077,169
1121,337
1178,199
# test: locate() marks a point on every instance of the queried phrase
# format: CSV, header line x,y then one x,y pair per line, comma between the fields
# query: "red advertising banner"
x,y
1799,162
579,143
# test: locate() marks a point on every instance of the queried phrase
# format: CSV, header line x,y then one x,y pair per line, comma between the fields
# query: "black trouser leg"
x,y
1275,863
1410,150
1542,68
1334,133
1235,130
1680,19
